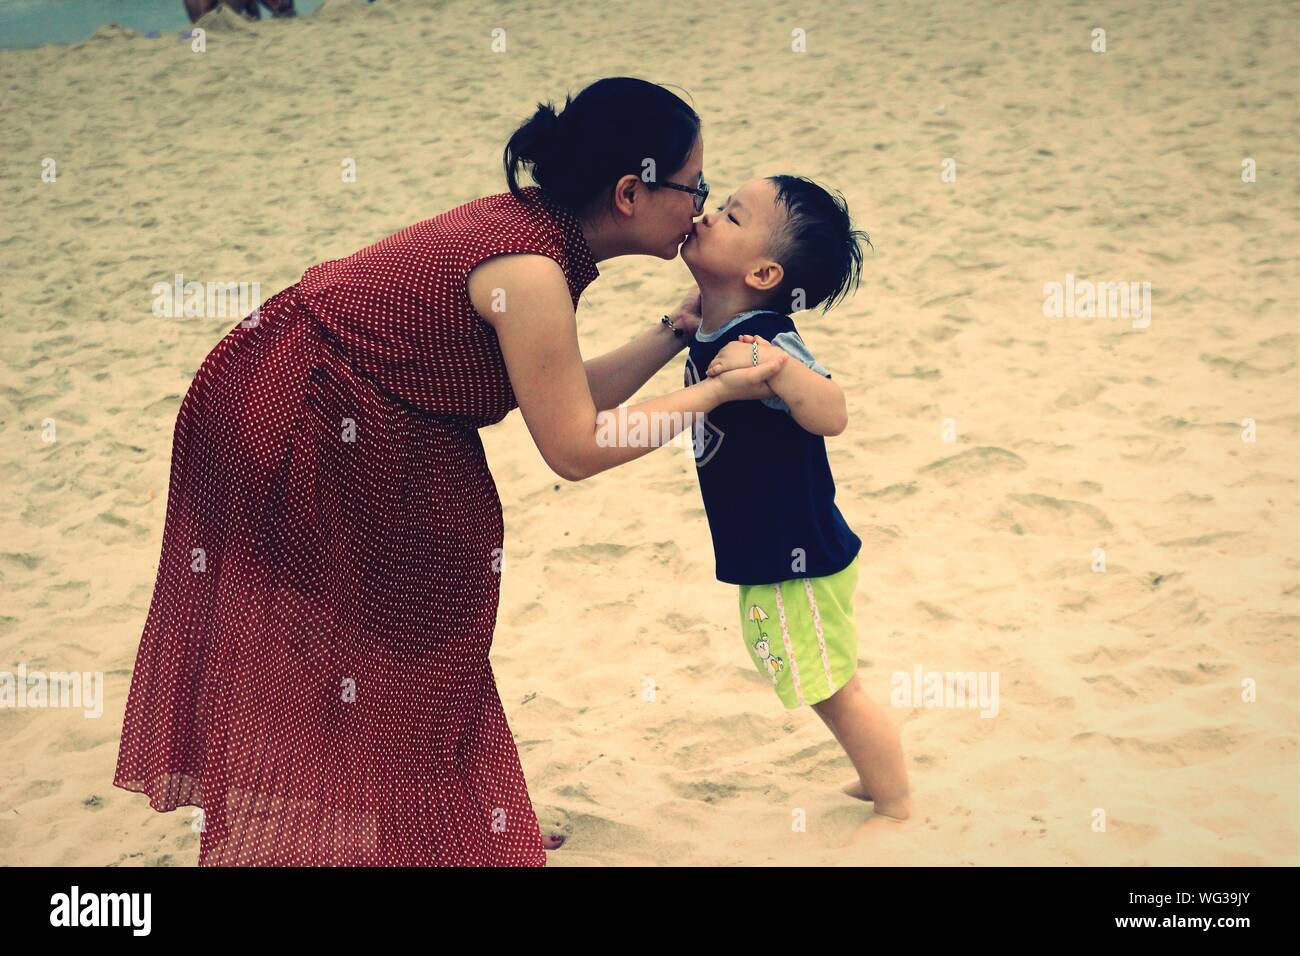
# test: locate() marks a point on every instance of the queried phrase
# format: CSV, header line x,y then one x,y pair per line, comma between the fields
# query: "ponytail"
x,y
536,144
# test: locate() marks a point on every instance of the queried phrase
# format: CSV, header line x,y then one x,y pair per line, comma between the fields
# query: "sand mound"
x,y
332,10
112,33
223,20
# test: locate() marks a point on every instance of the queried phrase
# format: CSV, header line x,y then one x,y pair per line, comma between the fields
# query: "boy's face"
x,y
731,244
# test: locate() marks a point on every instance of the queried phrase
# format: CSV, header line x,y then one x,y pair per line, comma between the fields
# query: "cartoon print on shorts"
x,y
762,646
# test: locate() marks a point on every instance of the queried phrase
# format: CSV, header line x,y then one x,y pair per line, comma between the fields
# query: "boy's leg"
x,y
872,742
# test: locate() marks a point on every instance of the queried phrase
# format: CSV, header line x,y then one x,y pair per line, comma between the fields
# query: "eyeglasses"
x,y
701,191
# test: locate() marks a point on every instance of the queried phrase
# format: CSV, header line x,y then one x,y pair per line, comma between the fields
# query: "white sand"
x,y
1120,691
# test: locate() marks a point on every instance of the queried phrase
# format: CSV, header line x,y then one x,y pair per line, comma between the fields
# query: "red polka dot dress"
x,y
314,667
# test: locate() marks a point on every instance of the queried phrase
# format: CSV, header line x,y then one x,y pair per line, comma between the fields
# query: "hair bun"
x,y
546,140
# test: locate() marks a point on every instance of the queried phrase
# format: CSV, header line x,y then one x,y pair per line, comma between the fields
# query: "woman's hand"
x,y
748,381
740,354
687,315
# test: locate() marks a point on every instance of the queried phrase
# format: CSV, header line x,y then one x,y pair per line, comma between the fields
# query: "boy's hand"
x,y
740,354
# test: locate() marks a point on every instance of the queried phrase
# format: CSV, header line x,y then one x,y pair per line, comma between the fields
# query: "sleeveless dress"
x,y
313,671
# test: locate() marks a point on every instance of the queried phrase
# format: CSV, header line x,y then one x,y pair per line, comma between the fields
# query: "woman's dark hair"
x,y
818,248
607,132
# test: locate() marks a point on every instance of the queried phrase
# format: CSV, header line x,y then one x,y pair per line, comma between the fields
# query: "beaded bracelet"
x,y
676,331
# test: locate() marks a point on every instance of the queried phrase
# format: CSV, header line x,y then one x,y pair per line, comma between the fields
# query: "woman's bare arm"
x,y
617,375
538,334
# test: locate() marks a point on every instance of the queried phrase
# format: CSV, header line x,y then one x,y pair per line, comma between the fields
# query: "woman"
x,y
314,669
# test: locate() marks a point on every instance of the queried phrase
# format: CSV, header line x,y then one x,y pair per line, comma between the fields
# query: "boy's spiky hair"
x,y
818,248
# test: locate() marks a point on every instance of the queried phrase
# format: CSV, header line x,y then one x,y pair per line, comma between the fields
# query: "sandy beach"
x,y
1099,512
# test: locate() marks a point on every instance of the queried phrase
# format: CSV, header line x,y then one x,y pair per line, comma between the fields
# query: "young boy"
x,y
775,244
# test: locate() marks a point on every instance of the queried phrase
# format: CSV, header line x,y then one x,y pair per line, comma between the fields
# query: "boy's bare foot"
x,y
856,789
896,810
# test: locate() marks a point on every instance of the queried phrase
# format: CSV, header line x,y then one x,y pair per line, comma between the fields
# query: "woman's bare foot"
x,y
553,824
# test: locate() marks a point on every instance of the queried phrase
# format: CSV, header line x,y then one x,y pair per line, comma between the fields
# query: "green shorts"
x,y
801,634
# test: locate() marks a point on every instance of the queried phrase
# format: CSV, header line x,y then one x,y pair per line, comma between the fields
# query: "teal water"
x,y
29,23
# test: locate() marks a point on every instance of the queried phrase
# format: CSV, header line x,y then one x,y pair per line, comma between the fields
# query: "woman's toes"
x,y
553,824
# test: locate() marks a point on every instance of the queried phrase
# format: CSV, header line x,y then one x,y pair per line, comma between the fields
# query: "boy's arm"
x,y
815,401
